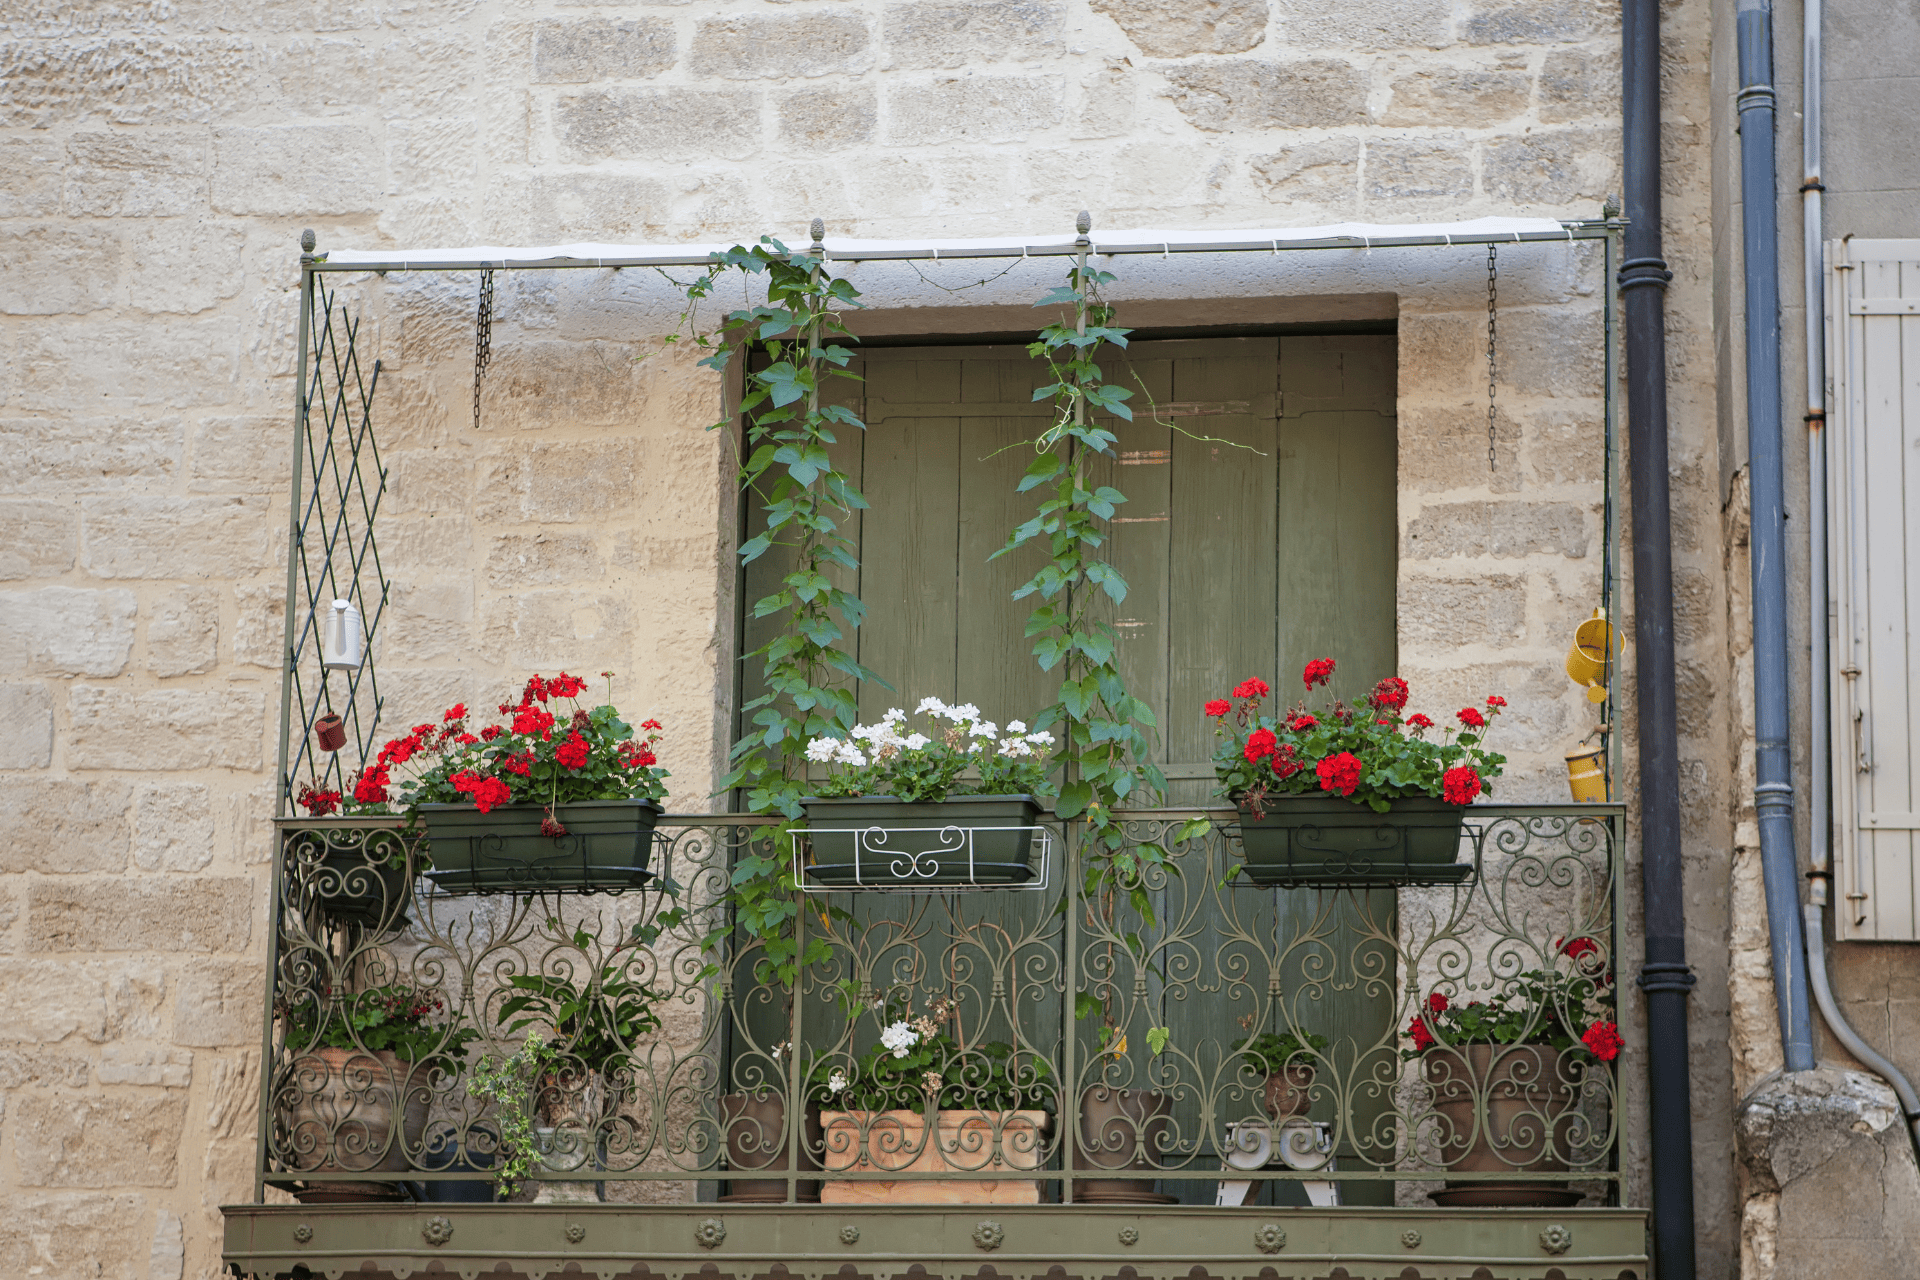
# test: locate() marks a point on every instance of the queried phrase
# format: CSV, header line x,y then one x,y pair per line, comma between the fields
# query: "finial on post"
x,y
307,241
819,232
1084,223
1610,209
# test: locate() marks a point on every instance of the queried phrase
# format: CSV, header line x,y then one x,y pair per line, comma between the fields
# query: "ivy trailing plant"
x,y
511,1085
786,464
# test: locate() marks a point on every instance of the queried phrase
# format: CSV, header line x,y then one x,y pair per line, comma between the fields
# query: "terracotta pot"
x,y
1505,1109
1121,1129
337,1109
900,1142
1288,1092
755,1125
330,732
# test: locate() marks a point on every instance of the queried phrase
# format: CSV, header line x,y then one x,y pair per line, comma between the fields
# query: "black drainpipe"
x,y
1665,977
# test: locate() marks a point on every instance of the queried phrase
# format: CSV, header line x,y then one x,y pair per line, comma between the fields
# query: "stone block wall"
x,y
157,163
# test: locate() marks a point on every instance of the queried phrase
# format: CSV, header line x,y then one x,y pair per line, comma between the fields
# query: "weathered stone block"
x,y
122,366
140,913
1553,168
1458,96
173,827
1552,352
43,1002
578,50
57,825
541,559
1153,174
295,170
427,220
414,545
73,1237
1488,610
42,539
566,205
321,77
1578,83
133,79
657,124
1540,22
145,1064
827,119
46,271
1445,447
259,633
243,453
1503,530
66,631
561,483
549,383
962,33
183,632
166,728
184,267
55,455
428,154
974,108
1246,93
29,177
431,619
1390,24
1322,173
539,629
430,75
46,1068
1418,169
815,44
1567,445
148,174
1106,104
121,1137
217,1003
142,537
26,708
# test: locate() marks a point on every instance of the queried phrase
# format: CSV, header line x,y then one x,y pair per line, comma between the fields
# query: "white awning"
x,y
1146,240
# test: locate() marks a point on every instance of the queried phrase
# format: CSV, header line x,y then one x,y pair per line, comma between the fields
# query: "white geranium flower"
x,y
836,1082
966,713
895,716
1041,739
932,704
915,741
1016,726
899,1037
984,729
850,754
821,750
1015,748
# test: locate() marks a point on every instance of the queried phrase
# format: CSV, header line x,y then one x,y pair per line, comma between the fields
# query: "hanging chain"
x,y
483,339
1493,296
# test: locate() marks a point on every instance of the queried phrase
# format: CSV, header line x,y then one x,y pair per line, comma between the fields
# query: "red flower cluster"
x,y
1318,672
1471,717
635,755
372,786
521,764
1261,743
1577,947
1218,707
486,792
533,720
1340,773
1459,785
573,752
1495,700
1603,1041
1417,1029
1286,761
1301,722
1419,720
1254,687
1390,694
318,803
552,826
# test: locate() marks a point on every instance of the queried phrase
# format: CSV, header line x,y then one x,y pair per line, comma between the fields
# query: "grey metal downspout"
x,y
1664,977
1773,765
1819,847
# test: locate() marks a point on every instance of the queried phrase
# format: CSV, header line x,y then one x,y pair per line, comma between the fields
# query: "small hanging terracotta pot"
x,y
330,732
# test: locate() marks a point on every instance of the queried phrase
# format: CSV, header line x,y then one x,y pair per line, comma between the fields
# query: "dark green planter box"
x,y
607,848
1319,841
358,884
921,846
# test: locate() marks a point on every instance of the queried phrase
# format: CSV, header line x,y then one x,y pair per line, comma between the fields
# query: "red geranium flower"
x,y
521,764
536,691
1603,1041
1577,947
1495,700
318,803
565,686
1253,687
1218,707
533,720
1319,671
1419,720
573,752
1261,743
489,733
651,724
1422,1038
1459,785
372,786
1390,694
486,792
1285,762
552,826
1438,1002
1471,717
458,711
1301,722
1340,773
635,756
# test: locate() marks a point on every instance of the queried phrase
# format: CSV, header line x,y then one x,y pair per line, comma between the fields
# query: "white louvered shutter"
x,y
1874,491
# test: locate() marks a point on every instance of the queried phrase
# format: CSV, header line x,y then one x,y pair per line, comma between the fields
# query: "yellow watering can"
x,y
1597,644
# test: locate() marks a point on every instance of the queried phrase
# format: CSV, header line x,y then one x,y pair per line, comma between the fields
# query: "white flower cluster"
x,y
899,1037
971,733
837,1081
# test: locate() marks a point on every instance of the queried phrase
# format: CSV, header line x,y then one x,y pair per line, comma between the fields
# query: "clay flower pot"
x,y
330,731
1122,1129
338,1112
908,1142
755,1125
1288,1092
1504,1109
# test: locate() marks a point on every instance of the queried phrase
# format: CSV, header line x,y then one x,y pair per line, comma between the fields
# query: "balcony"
x,y
1089,1092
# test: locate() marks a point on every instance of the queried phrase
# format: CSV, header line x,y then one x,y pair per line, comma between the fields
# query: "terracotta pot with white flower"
x,y
1359,794
924,1100
897,808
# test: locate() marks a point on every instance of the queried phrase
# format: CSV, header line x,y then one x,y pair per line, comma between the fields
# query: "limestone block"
x,y
145,1064
1552,352
117,728
540,559
322,77
9,916
1540,22
144,913
46,1068
561,483
428,14
47,271
1697,610
657,124
1388,24
142,537
29,177
1321,173
1486,609
579,50
242,453
755,48
536,630
296,170
1247,93
564,205
549,384
1502,530
232,1092
429,75
974,108
427,220
183,632
1459,96
826,119
1410,169
1153,174
43,1002
1566,444
1165,29
259,633
1106,105
425,692
148,174
66,631
1578,83
429,620
118,1137
1445,447
122,366
1538,695
61,825
1443,355
1564,167
184,267
167,1259
73,1237
410,546
56,455
132,79
217,1004
173,827
964,33
26,708
429,153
